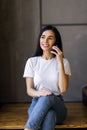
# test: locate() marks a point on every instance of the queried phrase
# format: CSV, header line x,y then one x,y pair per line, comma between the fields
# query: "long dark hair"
x,y
58,42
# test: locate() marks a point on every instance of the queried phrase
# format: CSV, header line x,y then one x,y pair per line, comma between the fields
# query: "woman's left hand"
x,y
58,53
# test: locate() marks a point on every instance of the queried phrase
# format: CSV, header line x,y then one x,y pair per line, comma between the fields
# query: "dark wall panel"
x,y
19,25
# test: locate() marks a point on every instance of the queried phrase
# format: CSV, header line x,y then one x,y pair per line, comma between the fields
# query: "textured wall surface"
x,y
70,17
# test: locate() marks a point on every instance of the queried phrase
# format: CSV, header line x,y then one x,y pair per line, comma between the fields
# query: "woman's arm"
x,y
63,78
34,93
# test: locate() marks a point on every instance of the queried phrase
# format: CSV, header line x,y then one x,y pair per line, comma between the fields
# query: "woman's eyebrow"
x,y
48,36
51,36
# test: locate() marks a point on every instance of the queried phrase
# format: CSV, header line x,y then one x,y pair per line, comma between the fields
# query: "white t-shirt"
x,y
45,72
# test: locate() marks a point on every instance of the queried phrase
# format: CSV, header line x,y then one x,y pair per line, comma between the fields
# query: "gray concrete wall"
x,y
70,17
20,21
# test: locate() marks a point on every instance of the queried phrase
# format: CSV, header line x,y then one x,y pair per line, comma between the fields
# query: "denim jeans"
x,y
45,112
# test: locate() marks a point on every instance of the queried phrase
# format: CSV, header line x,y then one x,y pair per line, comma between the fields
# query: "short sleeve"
x,y
28,70
67,67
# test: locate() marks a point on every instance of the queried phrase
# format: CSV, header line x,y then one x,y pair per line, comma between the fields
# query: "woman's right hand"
x,y
44,92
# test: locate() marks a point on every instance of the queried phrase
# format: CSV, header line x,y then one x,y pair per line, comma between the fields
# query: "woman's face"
x,y
47,40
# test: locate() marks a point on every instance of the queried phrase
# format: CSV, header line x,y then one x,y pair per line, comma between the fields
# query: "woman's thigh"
x,y
32,105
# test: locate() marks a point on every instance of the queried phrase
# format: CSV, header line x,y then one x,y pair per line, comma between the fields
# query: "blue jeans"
x,y
45,112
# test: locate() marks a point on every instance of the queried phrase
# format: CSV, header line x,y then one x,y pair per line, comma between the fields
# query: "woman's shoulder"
x,y
32,60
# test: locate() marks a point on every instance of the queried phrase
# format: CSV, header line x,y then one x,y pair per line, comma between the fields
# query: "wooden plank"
x,y
14,116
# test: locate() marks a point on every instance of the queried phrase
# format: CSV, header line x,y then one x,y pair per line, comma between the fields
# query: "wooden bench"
x,y
14,116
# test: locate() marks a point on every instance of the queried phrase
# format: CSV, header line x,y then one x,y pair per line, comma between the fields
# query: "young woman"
x,y
47,79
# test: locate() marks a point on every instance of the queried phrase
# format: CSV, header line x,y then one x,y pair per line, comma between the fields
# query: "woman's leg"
x,y
30,109
49,121
56,115
33,103
39,112
42,107
60,109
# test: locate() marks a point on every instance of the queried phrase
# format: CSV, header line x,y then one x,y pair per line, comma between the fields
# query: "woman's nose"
x,y
46,40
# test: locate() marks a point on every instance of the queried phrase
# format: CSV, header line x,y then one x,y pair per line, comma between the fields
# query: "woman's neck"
x,y
47,56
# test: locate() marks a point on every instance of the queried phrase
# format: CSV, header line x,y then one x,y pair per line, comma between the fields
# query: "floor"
x,y
14,115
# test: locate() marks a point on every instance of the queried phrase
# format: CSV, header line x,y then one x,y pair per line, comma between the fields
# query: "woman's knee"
x,y
47,99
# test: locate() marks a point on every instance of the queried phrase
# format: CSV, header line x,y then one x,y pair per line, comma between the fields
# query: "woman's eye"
x,y
42,37
50,38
